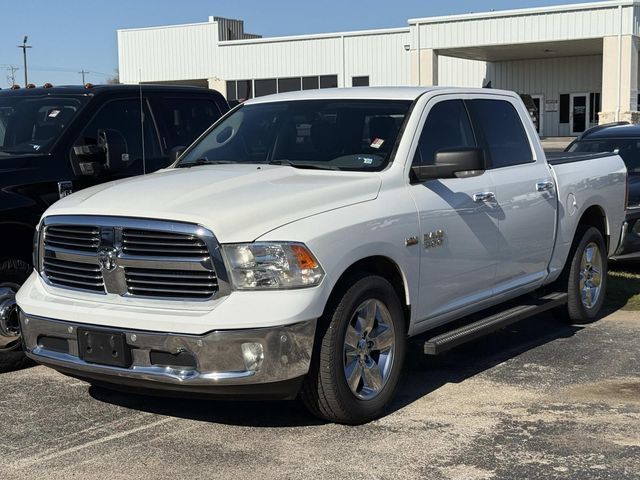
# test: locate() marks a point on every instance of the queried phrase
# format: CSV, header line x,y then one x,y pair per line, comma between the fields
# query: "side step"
x,y
529,307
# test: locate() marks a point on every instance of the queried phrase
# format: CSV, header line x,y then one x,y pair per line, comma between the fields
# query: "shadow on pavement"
x,y
422,376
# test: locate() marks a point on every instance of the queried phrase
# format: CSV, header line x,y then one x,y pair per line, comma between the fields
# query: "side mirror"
x,y
114,146
452,163
175,153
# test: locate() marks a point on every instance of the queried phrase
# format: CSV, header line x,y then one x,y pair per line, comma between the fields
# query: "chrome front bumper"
x,y
219,358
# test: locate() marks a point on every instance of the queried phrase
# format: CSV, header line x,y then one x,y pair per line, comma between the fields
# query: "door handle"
x,y
484,197
545,186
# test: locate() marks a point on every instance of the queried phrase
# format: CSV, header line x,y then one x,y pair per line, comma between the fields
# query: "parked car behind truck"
x,y
625,140
54,141
299,244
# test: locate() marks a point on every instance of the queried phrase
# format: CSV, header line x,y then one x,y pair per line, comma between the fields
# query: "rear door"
x,y
459,230
525,192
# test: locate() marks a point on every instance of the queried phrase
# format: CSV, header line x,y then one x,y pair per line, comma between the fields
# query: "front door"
x,y
458,221
579,112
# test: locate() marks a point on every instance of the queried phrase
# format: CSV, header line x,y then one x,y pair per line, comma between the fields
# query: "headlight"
x,y
266,265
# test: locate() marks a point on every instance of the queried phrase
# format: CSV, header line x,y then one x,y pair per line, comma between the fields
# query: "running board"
x,y
531,306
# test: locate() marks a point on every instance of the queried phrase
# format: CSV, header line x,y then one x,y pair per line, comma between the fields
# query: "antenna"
x,y
144,160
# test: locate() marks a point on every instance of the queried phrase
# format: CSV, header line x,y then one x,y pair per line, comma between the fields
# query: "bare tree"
x,y
115,78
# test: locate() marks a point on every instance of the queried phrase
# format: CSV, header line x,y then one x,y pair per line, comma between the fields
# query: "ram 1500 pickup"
x,y
57,140
299,244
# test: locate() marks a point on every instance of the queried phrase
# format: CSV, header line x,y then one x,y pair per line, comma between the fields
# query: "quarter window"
x,y
500,130
447,127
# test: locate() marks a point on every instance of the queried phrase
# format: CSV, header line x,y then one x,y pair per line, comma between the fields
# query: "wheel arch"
x,y
383,266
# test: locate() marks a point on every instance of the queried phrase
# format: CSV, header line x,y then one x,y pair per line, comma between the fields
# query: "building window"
x,y
267,86
564,108
289,84
310,83
594,101
328,81
245,89
360,81
231,90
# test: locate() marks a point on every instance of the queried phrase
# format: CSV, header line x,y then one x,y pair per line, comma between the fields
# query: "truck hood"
x,y
239,203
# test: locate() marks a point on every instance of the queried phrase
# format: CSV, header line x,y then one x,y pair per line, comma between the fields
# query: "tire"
x,y
586,279
370,311
13,273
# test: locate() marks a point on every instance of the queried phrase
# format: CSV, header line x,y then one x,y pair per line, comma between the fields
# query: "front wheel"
x,y
587,279
359,354
13,273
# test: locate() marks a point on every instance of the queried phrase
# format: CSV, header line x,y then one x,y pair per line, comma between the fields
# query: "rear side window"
x,y
447,127
185,119
500,131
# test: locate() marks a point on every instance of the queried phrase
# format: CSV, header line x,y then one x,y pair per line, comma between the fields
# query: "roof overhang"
x,y
526,51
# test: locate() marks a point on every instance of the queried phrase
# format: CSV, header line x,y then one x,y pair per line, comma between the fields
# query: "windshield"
x,y
331,134
629,149
30,124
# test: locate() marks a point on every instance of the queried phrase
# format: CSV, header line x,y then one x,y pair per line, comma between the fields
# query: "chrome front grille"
x,y
73,274
162,244
130,257
176,283
73,237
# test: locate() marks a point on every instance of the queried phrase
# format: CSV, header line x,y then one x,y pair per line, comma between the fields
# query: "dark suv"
x,y
54,141
624,138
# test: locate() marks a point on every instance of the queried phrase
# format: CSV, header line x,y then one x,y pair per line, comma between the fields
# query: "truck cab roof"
x,y
100,89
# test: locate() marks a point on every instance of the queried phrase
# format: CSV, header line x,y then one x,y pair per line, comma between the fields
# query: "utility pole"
x,y
24,47
83,72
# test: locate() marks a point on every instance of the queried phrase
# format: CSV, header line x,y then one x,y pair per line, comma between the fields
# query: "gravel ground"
x,y
539,400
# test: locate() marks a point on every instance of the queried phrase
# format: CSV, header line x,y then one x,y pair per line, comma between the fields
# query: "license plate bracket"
x,y
104,347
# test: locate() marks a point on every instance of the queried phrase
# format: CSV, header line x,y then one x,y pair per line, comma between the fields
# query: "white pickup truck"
x,y
299,244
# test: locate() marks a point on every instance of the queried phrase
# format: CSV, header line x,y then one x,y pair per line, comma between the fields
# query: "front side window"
x,y
30,124
125,117
500,130
447,127
331,134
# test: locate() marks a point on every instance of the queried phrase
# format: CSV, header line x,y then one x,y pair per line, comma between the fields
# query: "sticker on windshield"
x,y
53,113
366,160
377,143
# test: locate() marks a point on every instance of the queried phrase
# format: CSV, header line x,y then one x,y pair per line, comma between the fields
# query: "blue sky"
x,y
70,35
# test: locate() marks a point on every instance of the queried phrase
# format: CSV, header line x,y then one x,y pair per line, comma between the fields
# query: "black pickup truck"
x,y
57,140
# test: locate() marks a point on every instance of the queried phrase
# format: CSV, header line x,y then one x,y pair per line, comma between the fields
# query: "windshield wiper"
x,y
204,161
314,166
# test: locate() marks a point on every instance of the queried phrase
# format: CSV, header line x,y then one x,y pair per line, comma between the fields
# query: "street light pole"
x,y
24,47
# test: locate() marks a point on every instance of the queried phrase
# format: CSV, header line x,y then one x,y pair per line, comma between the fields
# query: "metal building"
x,y
579,62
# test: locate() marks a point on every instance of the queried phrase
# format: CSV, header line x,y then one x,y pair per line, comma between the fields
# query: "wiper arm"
x,y
311,166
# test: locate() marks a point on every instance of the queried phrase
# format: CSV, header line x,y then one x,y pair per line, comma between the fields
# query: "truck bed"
x,y
558,158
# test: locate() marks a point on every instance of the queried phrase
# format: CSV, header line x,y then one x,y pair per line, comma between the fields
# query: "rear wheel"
x,y
359,354
587,276
13,273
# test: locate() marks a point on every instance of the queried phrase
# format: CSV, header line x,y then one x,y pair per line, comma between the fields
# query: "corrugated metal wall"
x,y
524,28
382,56
183,52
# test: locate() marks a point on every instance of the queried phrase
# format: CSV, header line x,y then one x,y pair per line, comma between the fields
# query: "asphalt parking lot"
x,y
540,400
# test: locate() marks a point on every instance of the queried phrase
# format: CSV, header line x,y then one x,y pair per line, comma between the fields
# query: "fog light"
x,y
253,355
